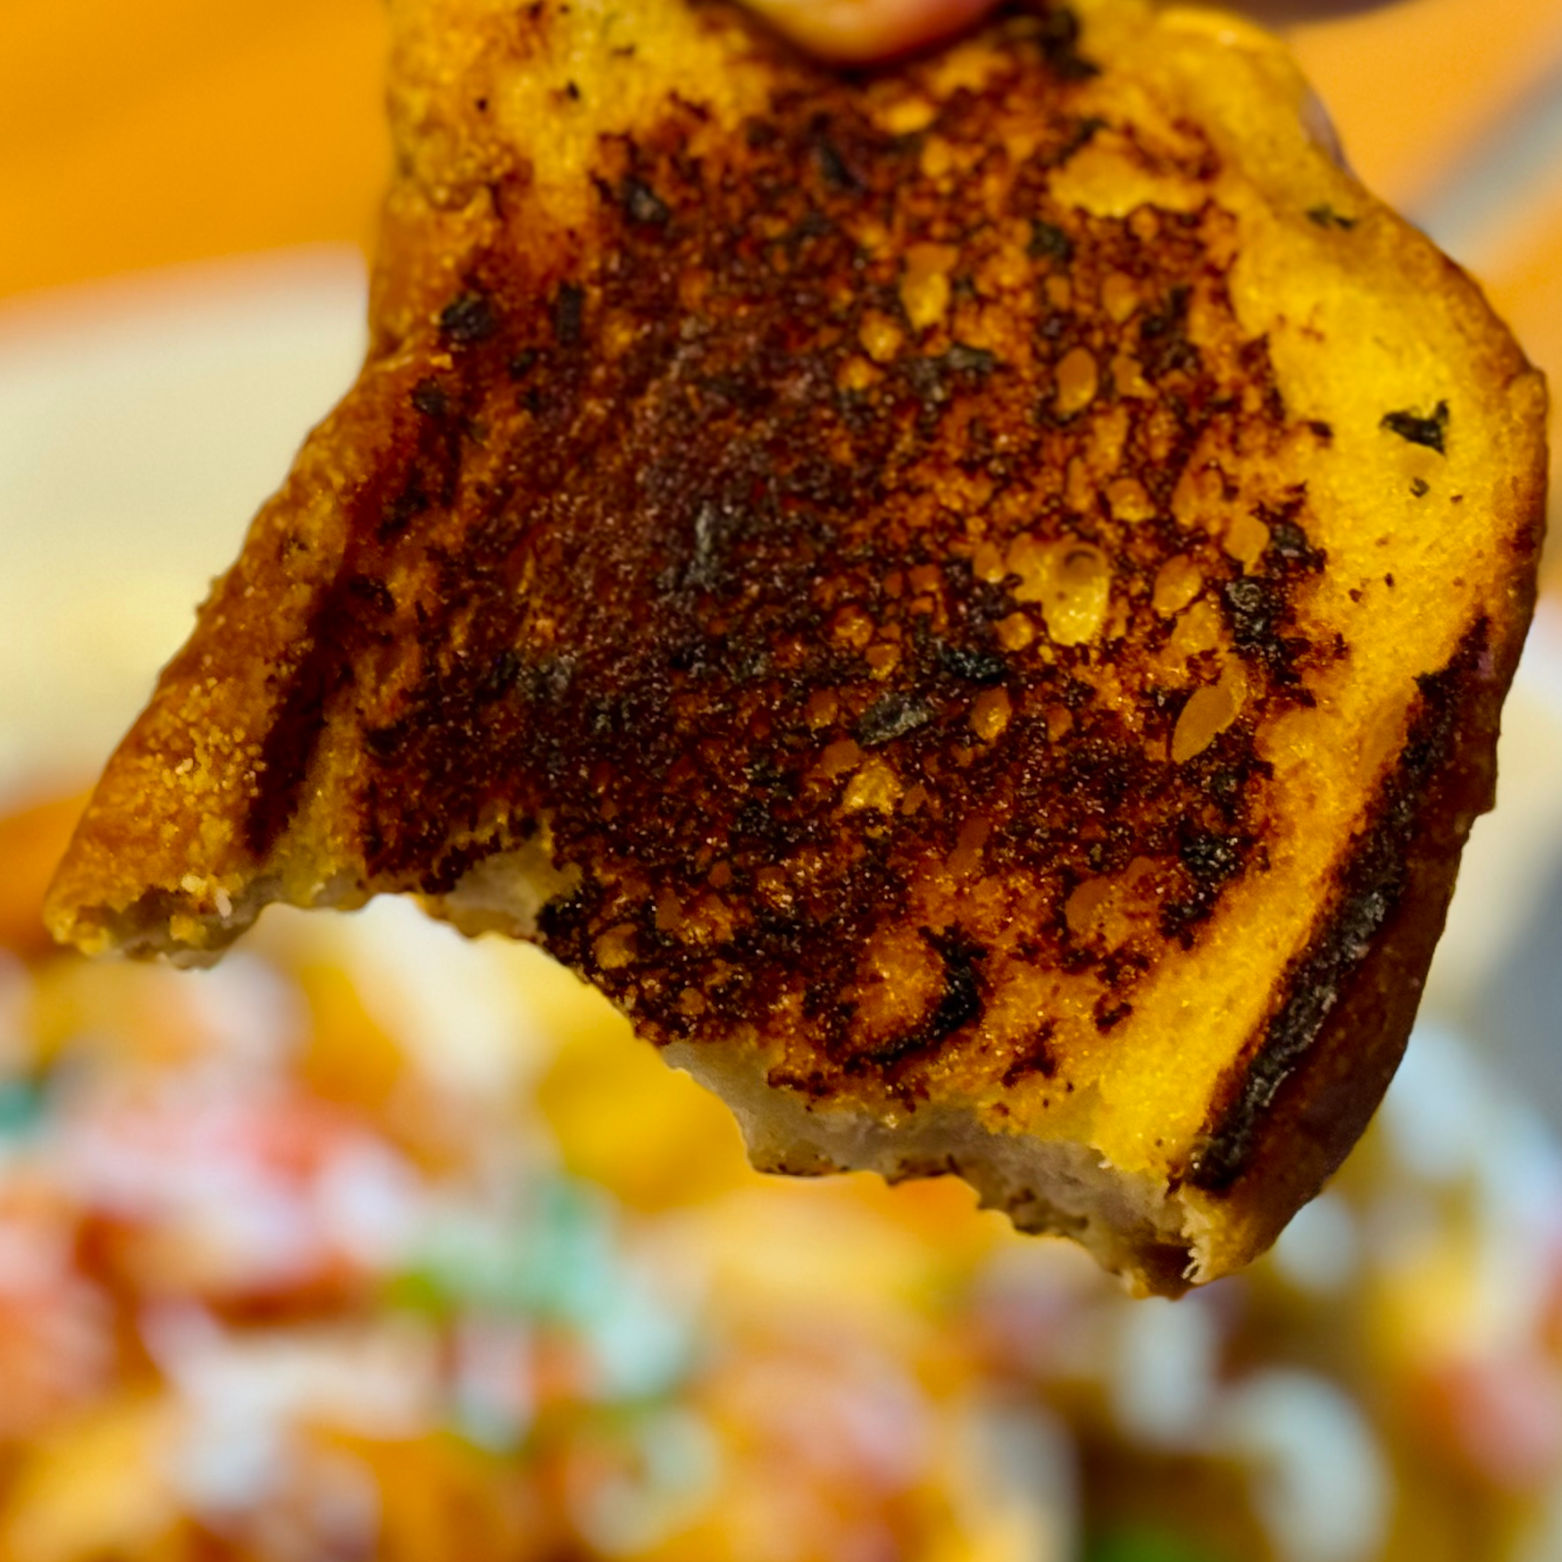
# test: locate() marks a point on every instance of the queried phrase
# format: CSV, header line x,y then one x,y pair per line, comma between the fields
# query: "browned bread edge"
x,y
1295,1104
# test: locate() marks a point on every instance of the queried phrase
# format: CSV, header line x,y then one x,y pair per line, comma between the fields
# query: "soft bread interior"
x,y
1133,1226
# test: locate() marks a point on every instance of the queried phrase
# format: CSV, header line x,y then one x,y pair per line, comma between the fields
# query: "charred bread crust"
x,y
875,573
1293,1108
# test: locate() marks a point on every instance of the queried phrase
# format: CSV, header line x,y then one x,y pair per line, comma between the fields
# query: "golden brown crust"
x,y
1295,1105
931,583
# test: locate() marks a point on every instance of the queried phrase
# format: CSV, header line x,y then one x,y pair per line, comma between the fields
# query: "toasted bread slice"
x,y
973,601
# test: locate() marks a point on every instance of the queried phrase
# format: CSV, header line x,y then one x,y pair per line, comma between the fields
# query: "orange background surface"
x,y
139,135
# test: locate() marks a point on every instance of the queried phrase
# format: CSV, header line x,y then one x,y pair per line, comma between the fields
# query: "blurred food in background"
x,y
375,1243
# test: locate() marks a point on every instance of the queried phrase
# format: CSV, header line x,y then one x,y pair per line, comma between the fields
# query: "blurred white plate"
x,y
141,425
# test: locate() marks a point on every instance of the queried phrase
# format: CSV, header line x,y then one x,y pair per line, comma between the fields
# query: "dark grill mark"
x,y
429,399
1290,544
1211,858
642,204
1430,431
569,314
298,723
1036,1057
1257,610
1081,133
964,359
974,666
959,1005
1368,895
1059,40
1049,242
891,717
833,168
469,320
1164,347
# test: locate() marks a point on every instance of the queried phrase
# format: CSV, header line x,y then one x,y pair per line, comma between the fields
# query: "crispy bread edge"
x,y
1293,1108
